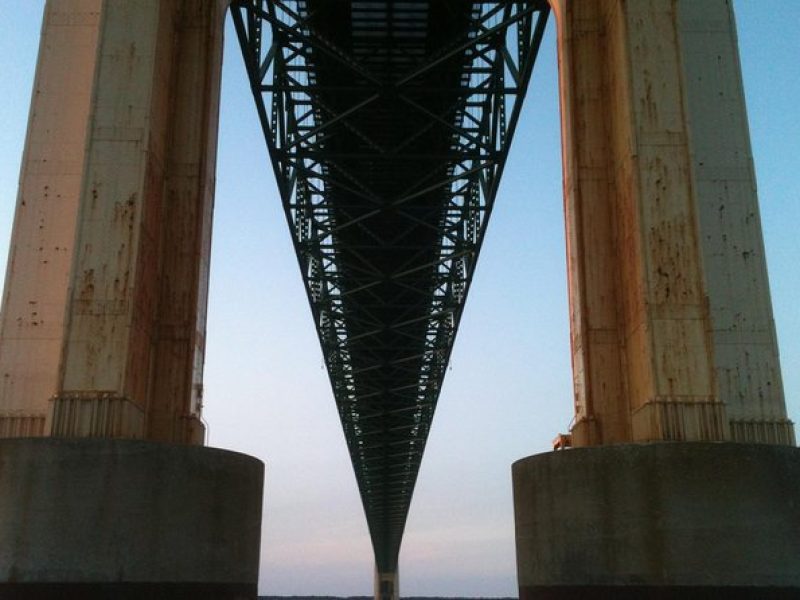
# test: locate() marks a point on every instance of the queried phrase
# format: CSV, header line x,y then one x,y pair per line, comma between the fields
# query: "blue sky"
x,y
507,392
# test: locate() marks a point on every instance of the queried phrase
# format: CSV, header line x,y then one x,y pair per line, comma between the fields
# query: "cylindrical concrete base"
x,y
127,519
680,520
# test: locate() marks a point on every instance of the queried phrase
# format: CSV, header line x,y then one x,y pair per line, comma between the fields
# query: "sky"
x,y
508,387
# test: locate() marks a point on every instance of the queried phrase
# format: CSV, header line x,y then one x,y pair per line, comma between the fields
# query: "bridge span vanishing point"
x,y
388,124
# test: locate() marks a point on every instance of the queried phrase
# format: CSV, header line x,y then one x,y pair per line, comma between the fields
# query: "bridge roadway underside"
x,y
388,124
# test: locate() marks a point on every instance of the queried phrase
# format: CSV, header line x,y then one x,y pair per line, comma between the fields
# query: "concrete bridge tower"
x,y
106,488
683,475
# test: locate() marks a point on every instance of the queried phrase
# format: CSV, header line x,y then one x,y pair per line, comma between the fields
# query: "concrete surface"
x,y
125,517
671,322
746,358
677,520
42,240
104,313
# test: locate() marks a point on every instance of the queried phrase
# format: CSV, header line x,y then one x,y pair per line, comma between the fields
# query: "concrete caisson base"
x,y
127,519
679,520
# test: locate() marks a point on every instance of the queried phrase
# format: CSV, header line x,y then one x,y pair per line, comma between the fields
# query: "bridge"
x,y
388,143
388,124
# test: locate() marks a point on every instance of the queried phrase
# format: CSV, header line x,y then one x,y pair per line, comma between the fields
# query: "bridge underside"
x,y
388,124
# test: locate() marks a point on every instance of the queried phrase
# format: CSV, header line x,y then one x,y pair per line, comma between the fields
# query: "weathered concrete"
x,y
646,167
746,359
42,241
103,328
121,517
669,520
387,585
102,333
138,281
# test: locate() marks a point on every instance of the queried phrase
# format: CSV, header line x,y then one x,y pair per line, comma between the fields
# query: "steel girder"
x,y
388,124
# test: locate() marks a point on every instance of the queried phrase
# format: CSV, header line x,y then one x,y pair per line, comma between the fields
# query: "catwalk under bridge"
x,y
388,124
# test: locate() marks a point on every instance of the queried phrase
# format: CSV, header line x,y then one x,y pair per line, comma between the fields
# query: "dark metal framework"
x,y
388,124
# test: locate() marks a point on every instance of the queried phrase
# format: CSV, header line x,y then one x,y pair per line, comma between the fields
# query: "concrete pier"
x,y
387,585
686,520
102,331
671,322
127,519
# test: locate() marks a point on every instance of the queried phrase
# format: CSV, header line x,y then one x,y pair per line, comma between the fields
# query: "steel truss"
x,y
388,124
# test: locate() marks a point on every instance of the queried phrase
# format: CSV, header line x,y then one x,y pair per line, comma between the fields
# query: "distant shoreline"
x,y
402,598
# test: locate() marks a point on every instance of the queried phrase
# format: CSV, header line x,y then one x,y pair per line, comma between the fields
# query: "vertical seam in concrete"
x,y
572,204
624,402
705,310
641,256
73,271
